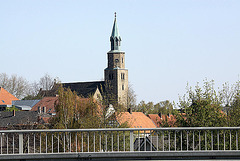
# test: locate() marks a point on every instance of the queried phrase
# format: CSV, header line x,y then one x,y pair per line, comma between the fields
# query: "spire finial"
x,y
115,14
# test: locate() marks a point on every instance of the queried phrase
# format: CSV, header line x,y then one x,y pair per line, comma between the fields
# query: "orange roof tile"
x,y
135,120
6,98
155,118
158,120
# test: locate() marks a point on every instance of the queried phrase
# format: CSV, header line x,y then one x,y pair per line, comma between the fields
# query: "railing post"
x,y
131,141
20,143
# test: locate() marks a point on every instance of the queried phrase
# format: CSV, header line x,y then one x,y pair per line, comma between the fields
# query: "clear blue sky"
x,y
167,43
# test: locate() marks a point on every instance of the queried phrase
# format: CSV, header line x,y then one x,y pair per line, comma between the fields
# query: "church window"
x,y
122,76
110,76
122,87
122,59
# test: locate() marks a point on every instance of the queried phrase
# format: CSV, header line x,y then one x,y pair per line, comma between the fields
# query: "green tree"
x,y
75,112
234,112
201,107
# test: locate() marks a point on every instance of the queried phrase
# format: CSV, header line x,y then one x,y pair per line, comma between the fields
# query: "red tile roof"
x,y
155,118
48,102
159,120
6,98
135,120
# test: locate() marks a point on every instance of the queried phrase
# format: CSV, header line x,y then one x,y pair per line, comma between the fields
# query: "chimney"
x,y
14,113
130,110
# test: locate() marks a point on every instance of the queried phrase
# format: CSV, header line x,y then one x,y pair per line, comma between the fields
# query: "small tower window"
x,y
122,76
122,59
110,76
122,87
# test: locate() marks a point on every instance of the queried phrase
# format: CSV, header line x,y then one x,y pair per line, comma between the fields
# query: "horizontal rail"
x,y
179,139
120,129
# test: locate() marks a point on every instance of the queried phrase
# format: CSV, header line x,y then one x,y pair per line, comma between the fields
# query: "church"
x,y
115,82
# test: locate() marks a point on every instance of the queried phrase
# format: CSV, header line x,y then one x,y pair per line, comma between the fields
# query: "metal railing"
x,y
119,140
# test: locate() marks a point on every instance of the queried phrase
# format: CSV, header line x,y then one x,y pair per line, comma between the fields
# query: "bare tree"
x,y
46,82
18,86
4,80
132,97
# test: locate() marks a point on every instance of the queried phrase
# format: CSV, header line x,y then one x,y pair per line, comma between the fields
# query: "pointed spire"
x,y
115,36
115,32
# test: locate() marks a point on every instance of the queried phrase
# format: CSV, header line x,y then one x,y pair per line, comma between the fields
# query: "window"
x,y
111,76
122,59
122,87
122,76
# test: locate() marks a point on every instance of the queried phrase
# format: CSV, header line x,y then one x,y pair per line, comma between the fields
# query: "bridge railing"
x,y
119,140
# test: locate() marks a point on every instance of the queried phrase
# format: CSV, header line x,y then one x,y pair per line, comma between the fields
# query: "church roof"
x,y
85,89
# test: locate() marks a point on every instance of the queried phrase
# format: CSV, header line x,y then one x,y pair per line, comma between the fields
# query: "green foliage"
x,y
163,107
32,97
234,112
201,107
12,108
75,112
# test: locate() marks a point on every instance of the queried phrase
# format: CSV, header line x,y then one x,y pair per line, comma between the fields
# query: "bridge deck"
x,y
184,155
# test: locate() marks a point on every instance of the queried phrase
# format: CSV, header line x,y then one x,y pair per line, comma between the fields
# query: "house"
x,y
24,105
161,120
18,119
6,99
135,120
46,106
139,144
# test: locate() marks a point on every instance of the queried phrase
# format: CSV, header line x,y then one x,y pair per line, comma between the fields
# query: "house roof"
x,y
83,89
25,104
20,118
48,102
155,118
6,98
135,120
158,120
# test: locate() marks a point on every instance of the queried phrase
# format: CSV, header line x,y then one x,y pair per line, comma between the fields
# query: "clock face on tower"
x,y
116,60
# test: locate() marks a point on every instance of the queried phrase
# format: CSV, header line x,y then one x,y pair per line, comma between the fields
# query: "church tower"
x,y
115,75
